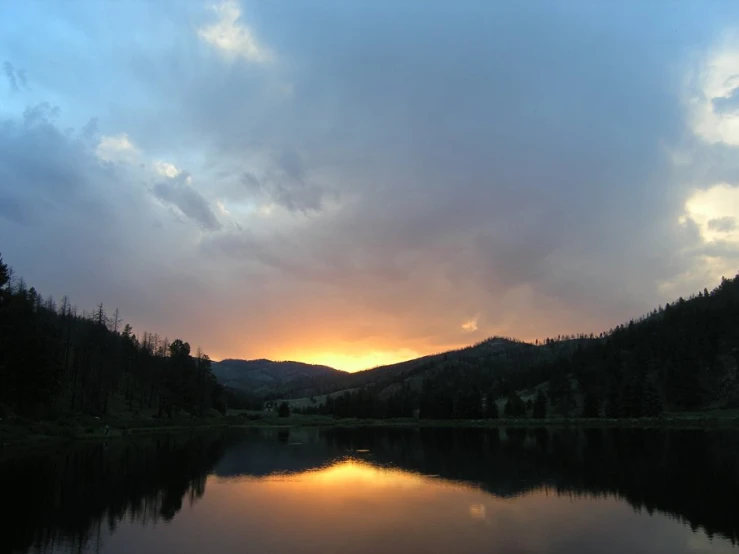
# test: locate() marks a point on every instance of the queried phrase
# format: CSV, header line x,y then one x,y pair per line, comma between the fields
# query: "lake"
x,y
379,490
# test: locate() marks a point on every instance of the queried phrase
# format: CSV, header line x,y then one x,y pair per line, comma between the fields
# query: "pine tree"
x,y
540,405
652,405
630,400
514,406
491,406
283,410
613,401
591,406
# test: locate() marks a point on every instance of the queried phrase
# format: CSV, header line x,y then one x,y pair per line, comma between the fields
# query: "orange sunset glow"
x,y
358,361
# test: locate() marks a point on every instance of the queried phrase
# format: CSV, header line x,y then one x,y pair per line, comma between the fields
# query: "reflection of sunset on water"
x,y
365,491
353,472
355,506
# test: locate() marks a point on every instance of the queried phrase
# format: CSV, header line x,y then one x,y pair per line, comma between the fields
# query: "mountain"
x,y
680,357
480,364
263,377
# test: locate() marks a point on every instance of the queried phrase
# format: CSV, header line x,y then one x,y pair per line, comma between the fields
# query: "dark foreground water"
x,y
380,491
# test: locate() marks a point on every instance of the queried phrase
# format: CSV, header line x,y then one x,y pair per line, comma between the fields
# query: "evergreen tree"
x,y
630,401
613,401
651,401
283,410
468,405
491,406
514,406
540,405
591,406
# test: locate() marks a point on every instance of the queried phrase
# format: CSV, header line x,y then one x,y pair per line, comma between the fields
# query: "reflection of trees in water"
x,y
690,475
70,496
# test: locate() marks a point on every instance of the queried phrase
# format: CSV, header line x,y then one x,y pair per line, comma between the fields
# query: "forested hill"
x,y
680,357
261,377
55,361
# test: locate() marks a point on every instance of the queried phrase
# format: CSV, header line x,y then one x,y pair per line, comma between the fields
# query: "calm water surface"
x,y
388,491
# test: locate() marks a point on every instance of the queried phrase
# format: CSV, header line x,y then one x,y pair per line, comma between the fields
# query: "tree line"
x,y
56,361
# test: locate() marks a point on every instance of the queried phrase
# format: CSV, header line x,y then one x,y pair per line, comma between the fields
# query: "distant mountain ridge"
x,y
300,380
264,376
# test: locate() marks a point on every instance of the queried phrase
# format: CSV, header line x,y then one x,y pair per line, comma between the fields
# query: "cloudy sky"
x,y
355,183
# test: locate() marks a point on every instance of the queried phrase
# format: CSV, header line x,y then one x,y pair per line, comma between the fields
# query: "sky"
x,y
357,183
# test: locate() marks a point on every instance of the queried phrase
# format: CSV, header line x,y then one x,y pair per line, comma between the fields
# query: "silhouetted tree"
x,y
491,406
630,400
514,406
651,401
540,405
591,405
283,410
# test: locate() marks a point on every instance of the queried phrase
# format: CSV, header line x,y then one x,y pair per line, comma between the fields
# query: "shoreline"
x,y
19,435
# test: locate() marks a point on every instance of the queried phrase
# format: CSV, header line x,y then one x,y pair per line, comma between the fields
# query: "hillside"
x,y
493,352
56,362
261,377
680,357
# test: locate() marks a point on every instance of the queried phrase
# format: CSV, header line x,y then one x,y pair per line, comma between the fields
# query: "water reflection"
x,y
383,490
72,497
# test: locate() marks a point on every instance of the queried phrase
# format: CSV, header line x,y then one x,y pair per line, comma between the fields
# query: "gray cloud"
x,y
457,170
39,164
178,193
723,224
291,163
285,182
250,181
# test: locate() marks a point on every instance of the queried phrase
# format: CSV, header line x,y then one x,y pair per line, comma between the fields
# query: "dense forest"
x,y
680,357
55,361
